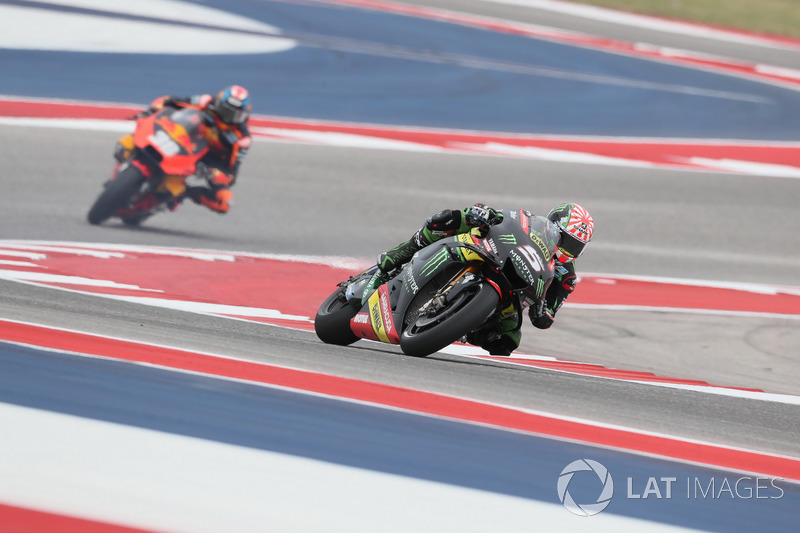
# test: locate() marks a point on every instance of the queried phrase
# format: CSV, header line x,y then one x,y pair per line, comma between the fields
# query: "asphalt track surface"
x,y
649,222
394,191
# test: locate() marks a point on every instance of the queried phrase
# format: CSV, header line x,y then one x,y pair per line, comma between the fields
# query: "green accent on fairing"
x,y
508,238
434,262
373,283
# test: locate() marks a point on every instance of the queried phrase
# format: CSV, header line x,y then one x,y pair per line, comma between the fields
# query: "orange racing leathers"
x,y
220,166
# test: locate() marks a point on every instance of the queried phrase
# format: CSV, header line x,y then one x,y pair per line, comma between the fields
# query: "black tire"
x,y
116,194
468,312
332,323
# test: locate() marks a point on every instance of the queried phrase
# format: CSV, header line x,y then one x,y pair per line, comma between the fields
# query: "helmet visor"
x,y
570,246
231,114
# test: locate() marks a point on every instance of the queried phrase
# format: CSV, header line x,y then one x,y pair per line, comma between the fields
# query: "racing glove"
x,y
480,215
541,317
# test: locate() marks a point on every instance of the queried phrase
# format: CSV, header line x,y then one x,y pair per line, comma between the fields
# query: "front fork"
x,y
449,292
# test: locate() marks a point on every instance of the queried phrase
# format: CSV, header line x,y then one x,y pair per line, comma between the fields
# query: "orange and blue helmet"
x,y
576,226
232,105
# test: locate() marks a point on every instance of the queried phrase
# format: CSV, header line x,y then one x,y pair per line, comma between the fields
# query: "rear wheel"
x,y
428,330
116,194
332,323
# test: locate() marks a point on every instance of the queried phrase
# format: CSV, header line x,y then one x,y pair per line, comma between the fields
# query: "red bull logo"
x,y
178,134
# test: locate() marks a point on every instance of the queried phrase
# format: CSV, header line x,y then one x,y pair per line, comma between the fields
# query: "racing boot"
x,y
393,259
400,254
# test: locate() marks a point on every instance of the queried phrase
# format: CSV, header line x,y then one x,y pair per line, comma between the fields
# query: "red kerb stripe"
x,y
413,400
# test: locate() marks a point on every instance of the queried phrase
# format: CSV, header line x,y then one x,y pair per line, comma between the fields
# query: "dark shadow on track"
x,y
204,237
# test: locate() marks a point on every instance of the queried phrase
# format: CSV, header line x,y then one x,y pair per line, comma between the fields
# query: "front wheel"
x,y
429,332
332,323
116,194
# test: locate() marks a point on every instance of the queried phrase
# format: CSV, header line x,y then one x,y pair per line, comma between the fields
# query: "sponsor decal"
x,y
527,301
411,283
434,262
522,265
388,322
529,253
361,326
380,315
539,242
165,143
524,221
466,253
375,314
507,238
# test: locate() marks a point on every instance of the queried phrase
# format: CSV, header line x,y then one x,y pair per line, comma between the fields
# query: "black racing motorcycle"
x,y
448,289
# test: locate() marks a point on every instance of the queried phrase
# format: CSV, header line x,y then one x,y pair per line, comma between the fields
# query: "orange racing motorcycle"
x,y
448,289
167,148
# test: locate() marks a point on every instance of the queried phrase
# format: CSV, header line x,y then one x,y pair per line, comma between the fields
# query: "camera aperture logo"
x,y
591,508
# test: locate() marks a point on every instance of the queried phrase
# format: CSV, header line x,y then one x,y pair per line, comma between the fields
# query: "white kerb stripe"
x,y
160,481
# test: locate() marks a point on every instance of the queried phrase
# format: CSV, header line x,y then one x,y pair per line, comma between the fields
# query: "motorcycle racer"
x,y
502,335
227,135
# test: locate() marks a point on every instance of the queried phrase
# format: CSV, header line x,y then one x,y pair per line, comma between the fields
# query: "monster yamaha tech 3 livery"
x,y
448,289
